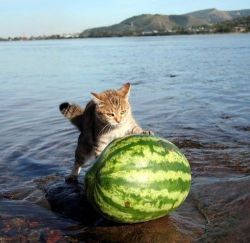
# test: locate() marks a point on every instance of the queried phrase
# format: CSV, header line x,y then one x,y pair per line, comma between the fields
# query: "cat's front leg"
x,y
100,147
73,176
83,153
139,130
148,132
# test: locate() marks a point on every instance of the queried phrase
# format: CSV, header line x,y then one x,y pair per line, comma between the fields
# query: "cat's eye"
x,y
111,114
123,112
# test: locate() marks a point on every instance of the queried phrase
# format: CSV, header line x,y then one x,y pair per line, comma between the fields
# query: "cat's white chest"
x,y
113,134
116,133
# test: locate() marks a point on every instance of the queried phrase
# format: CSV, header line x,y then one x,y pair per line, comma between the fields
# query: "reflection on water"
x,y
192,90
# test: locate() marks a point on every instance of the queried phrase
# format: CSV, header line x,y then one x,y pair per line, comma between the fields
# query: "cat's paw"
x,y
71,179
148,132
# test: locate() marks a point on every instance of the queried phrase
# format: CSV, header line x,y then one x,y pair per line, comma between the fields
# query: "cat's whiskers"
x,y
110,127
103,129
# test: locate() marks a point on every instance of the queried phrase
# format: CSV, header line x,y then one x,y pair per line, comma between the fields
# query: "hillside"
x,y
144,24
163,24
212,16
241,24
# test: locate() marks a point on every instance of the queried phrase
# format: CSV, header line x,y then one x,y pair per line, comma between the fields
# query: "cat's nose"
x,y
118,119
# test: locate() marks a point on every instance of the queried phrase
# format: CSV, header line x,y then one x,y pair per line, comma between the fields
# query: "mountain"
x,y
212,16
157,24
144,24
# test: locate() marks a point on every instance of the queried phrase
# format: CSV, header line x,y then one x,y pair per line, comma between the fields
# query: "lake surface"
x,y
191,90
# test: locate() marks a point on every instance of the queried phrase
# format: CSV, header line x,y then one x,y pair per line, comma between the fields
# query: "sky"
x,y
38,17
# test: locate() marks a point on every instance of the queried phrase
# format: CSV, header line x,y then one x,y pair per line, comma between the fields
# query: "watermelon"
x,y
138,178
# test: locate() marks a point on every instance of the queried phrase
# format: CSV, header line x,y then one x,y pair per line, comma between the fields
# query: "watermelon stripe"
x,y
145,192
138,197
148,177
137,158
153,166
140,212
120,142
172,185
170,157
106,155
105,207
152,198
141,140
131,145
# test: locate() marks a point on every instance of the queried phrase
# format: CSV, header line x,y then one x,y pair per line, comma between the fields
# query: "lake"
x,y
191,90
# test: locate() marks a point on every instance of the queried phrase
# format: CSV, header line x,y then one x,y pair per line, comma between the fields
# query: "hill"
x,y
148,24
241,24
212,16
143,24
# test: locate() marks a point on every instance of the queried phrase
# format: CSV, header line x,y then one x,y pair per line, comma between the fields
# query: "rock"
x,y
22,221
217,209
70,200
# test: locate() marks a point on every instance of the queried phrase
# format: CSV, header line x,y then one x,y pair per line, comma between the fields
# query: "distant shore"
x,y
207,21
62,37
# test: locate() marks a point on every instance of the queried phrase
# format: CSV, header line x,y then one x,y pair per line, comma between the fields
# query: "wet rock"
x,y
242,128
21,221
28,192
187,143
216,210
226,116
70,200
225,206
161,230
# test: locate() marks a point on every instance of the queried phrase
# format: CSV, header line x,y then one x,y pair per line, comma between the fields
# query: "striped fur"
x,y
106,117
74,113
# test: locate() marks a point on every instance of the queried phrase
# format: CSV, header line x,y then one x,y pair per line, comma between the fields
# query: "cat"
x,y
107,116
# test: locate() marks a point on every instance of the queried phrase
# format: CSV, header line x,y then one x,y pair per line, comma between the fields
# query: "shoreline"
x,y
16,39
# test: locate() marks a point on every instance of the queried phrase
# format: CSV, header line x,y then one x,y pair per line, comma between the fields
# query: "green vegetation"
x,y
237,25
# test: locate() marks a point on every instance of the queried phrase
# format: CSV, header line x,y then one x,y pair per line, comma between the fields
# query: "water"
x,y
192,90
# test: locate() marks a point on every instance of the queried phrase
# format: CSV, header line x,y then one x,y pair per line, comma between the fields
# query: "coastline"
x,y
15,39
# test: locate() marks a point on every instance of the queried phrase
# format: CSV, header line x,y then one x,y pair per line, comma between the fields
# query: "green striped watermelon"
x,y
138,178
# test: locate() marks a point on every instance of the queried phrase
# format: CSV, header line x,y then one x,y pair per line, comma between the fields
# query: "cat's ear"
x,y
96,98
125,90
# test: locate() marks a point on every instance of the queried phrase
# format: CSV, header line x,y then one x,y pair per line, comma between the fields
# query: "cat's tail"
x,y
74,113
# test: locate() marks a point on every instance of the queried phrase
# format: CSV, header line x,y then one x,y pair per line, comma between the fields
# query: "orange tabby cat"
x,y
106,117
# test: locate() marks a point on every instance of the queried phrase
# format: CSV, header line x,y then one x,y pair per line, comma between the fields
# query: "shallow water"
x,y
191,90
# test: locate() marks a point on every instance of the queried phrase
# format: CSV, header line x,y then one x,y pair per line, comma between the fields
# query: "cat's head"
x,y
112,106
